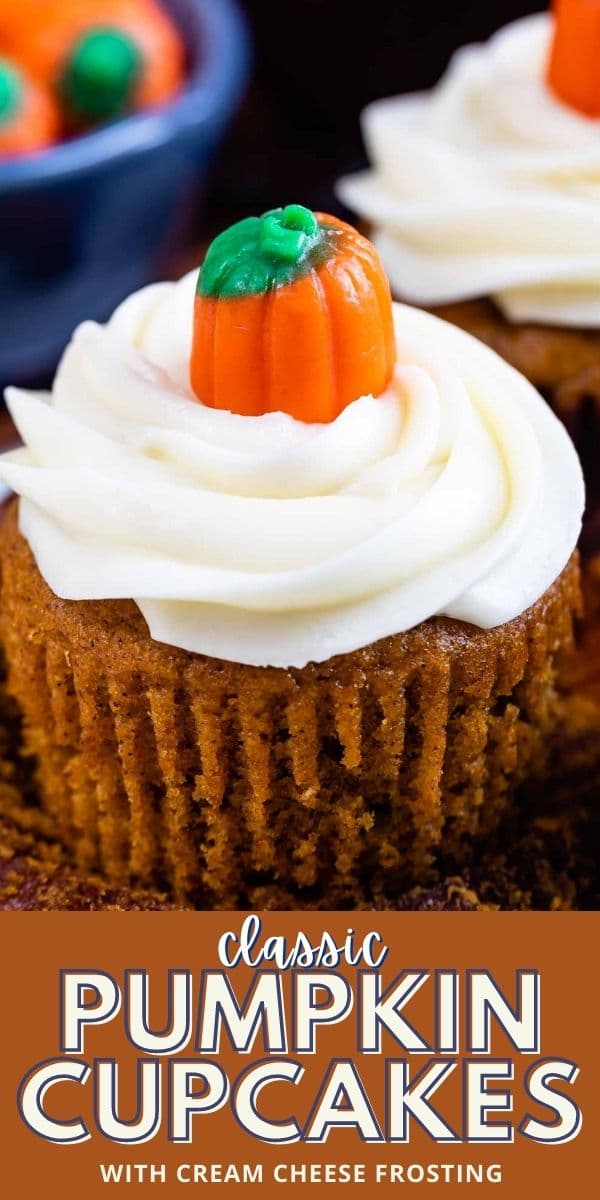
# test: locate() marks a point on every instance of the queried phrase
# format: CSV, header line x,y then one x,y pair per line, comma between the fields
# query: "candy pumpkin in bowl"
x,y
102,58
290,574
142,93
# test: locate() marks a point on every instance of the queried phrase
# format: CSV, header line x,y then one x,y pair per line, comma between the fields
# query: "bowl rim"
x,y
210,92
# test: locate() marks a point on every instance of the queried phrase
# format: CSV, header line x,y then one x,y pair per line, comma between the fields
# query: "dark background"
x,y
317,63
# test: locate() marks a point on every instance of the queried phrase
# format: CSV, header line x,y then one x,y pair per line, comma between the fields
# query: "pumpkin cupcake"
x,y
286,584
482,197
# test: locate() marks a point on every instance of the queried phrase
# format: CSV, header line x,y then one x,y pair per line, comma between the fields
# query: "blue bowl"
x,y
87,222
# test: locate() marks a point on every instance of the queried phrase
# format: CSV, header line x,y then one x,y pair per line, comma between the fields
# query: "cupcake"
x,y
288,580
482,197
29,117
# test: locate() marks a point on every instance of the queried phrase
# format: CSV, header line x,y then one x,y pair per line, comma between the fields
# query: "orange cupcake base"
x,y
233,786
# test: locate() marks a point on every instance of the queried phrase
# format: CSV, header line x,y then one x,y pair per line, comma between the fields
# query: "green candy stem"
x,y
101,74
261,253
11,91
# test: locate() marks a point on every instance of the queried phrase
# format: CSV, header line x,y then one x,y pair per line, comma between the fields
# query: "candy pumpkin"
x,y
104,57
293,313
29,118
574,68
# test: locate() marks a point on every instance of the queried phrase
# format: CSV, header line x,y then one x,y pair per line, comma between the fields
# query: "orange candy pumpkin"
x,y
574,68
43,35
293,313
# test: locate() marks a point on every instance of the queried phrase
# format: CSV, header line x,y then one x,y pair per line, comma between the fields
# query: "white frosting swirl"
x,y
267,541
488,185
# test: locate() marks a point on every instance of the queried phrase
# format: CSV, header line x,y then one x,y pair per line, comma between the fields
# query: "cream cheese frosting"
x,y
267,541
488,185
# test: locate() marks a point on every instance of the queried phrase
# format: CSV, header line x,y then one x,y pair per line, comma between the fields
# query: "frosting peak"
x,y
488,185
272,541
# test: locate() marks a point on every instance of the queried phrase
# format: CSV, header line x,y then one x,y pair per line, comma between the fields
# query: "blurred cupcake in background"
x,y
129,100
483,197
